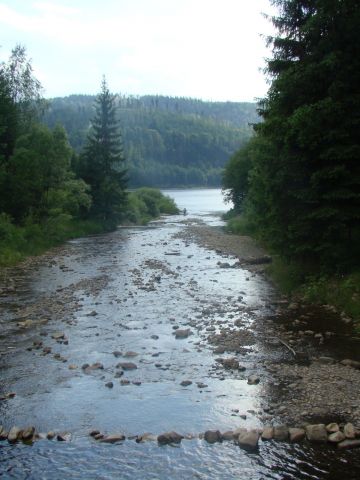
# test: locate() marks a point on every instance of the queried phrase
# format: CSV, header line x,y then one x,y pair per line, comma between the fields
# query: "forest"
x,y
296,184
168,141
48,191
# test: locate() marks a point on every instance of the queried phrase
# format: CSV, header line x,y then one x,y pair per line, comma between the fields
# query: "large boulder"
x,y
14,434
281,433
268,433
349,431
182,333
336,437
127,365
28,433
114,438
212,436
296,434
249,439
316,433
169,437
347,444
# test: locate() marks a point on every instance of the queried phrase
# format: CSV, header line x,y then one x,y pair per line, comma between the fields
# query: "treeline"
x,y
167,141
49,192
297,182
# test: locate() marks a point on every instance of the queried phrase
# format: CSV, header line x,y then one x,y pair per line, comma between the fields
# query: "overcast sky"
x,y
209,49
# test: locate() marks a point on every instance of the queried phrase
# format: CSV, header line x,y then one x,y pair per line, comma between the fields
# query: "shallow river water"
x,y
129,291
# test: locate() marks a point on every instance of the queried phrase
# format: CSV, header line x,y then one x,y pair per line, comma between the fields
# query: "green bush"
x,y
146,204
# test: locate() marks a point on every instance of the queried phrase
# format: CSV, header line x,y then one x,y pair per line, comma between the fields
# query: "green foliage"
x,y
167,141
18,242
239,224
102,163
343,292
303,191
235,180
146,204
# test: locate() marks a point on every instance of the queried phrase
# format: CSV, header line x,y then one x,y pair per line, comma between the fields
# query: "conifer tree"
x,y
102,164
305,186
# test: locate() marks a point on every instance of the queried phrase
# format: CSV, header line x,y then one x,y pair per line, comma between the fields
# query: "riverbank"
x,y
316,380
18,242
341,291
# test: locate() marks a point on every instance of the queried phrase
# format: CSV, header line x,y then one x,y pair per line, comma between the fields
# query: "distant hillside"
x,y
167,141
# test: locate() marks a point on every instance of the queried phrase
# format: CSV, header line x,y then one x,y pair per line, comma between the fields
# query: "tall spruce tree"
x,y
305,185
102,164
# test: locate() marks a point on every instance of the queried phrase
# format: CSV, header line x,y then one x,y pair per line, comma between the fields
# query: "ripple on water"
x,y
192,460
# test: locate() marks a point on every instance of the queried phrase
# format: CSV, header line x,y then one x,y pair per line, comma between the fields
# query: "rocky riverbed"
x,y
168,328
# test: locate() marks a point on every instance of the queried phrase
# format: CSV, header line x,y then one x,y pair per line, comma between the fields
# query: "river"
x,y
121,297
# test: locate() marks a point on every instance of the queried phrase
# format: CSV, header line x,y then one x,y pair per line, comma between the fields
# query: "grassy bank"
x,y
18,242
341,291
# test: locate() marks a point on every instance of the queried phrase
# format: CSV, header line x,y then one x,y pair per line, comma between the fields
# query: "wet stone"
x,y
169,437
127,366
281,433
348,444
268,433
13,434
186,383
332,428
109,384
316,433
50,435
114,438
296,434
249,439
212,436
349,431
28,433
253,380
182,333
336,437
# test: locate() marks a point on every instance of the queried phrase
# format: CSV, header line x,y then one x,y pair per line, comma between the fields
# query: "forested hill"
x,y
168,141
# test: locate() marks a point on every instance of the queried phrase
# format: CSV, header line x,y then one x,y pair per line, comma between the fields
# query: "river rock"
x,y
182,333
268,433
326,360
336,437
3,433
63,437
230,363
28,433
316,433
127,366
114,438
145,437
109,384
169,437
347,444
249,439
332,428
130,354
58,336
238,431
201,385
281,433
117,353
212,436
350,363
94,432
349,431
14,434
296,434
253,380
228,435
50,435
186,383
